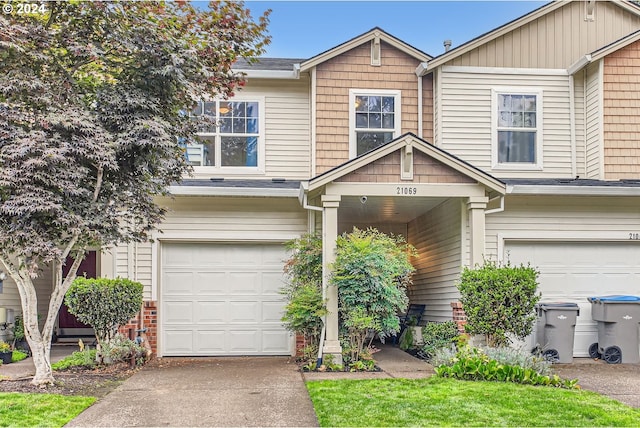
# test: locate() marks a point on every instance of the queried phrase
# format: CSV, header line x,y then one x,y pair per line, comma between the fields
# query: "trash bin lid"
x,y
615,298
558,305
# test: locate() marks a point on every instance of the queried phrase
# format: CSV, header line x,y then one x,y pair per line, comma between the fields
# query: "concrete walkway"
x,y
25,368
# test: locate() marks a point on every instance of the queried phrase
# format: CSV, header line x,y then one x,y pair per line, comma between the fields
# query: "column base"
x,y
333,348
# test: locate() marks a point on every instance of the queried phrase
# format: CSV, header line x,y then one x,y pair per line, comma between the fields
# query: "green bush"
x,y
122,349
499,300
86,358
18,356
438,335
104,304
18,329
519,357
371,271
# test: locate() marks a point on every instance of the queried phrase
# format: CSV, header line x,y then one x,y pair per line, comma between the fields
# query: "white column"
x,y
476,206
330,204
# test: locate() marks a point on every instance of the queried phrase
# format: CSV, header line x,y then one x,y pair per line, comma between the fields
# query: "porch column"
x,y
476,206
330,204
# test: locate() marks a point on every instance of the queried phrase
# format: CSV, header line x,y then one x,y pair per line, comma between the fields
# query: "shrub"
x,y
438,335
371,271
18,329
499,300
122,349
104,304
519,357
86,358
18,356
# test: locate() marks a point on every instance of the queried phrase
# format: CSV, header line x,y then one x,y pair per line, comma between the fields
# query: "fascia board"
x,y
521,189
232,191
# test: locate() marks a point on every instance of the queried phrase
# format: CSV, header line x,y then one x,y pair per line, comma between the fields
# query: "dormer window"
x,y
230,137
374,119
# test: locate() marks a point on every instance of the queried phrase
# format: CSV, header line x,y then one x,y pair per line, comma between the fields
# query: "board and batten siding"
x,y
562,218
214,219
554,40
466,104
593,126
287,133
436,236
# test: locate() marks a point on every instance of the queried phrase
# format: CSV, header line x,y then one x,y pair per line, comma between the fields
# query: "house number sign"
x,y
401,190
634,235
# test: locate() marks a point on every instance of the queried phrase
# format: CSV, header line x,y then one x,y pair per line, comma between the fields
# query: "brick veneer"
x,y
150,313
459,317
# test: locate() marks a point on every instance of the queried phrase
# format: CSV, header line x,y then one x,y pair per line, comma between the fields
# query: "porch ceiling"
x,y
384,209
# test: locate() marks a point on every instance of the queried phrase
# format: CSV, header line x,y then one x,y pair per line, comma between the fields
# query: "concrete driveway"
x,y
242,391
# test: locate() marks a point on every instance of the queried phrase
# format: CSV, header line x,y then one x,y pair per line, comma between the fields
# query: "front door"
x,y
68,324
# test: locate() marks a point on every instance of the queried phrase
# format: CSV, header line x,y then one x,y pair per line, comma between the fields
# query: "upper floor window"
x,y
517,129
230,137
374,119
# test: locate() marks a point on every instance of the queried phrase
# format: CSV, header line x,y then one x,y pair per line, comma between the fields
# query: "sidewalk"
x,y
25,368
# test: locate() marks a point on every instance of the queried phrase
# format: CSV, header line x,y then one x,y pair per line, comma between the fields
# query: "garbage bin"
x,y
617,318
555,330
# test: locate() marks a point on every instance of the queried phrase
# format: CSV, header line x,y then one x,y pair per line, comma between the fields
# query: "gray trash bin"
x,y
617,318
555,329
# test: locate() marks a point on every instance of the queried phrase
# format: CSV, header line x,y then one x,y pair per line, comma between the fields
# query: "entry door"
x,y
68,324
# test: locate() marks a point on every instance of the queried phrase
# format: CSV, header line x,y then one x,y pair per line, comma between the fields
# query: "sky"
x,y
303,29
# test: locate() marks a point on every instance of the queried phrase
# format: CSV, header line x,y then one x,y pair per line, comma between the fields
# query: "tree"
x,y
499,300
92,100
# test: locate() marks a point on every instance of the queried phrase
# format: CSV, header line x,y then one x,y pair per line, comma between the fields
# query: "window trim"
x,y
238,170
517,166
353,93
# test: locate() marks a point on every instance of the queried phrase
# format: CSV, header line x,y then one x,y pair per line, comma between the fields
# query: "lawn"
x,y
448,402
48,410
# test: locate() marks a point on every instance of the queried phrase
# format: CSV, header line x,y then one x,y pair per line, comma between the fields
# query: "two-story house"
x,y
522,144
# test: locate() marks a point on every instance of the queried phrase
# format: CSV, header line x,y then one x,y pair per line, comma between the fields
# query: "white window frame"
x,y
353,93
517,166
218,168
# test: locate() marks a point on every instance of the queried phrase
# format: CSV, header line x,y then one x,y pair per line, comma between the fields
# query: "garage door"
x,y
572,271
220,299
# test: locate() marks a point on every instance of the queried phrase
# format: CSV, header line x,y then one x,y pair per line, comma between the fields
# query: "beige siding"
x,y
10,297
287,126
621,97
436,236
466,118
555,40
563,218
579,109
209,219
353,70
593,126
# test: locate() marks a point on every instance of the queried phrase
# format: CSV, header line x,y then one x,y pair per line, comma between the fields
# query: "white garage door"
x,y
572,271
220,299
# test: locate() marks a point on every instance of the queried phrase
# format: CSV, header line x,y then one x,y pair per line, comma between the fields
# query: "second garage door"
x,y
222,299
573,271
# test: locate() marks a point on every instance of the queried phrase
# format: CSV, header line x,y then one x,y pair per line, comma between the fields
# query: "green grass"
x,y
449,402
18,356
44,410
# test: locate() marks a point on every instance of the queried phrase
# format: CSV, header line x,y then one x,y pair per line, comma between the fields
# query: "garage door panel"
x,y
178,312
275,341
211,341
209,312
244,312
272,312
272,283
573,271
245,282
244,341
177,283
210,283
179,341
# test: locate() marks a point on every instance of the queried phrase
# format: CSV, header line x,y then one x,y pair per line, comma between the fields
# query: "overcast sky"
x,y
302,29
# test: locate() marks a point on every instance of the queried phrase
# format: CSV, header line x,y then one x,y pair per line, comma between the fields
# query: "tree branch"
x,y
99,177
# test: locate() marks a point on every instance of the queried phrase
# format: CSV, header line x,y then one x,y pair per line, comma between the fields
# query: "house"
x,y
522,144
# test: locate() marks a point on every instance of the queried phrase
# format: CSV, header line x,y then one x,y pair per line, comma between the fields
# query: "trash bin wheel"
x,y
612,355
593,351
551,355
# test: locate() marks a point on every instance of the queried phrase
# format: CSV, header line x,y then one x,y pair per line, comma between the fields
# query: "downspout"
x,y
496,210
420,95
572,122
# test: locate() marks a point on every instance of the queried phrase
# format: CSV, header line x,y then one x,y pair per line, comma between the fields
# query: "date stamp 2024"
x,y
24,8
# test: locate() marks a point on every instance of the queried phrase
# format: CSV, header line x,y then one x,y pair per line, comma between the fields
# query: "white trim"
x,y
601,173
426,190
524,189
238,170
513,166
155,265
420,108
504,70
233,191
439,132
556,236
579,64
397,119
314,120
272,74
572,120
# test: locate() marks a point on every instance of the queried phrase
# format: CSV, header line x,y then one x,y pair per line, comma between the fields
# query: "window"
x,y
517,129
228,135
374,119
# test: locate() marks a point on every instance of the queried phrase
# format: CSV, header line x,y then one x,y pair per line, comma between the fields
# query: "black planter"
x,y
6,357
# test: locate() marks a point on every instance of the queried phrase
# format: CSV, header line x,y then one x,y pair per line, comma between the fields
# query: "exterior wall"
x,y
214,219
10,297
580,123
287,133
562,218
387,170
593,126
622,113
555,40
353,70
467,118
437,238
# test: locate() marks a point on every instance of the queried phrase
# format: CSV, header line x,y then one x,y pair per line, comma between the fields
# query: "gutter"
x,y
522,189
272,74
232,191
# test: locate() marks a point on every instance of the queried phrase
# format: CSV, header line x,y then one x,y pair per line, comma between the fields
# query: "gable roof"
x,y
408,139
487,37
372,34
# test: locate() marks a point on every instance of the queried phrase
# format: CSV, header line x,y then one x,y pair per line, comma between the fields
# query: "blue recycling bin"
x,y
617,317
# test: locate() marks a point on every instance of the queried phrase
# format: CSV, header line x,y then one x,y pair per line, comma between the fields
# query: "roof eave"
x,y
232,191
552,190
272,74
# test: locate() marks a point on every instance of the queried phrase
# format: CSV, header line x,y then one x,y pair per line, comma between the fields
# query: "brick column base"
x,y
459,317
150,314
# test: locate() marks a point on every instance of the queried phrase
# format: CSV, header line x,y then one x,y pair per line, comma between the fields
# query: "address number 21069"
x,y
406,190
